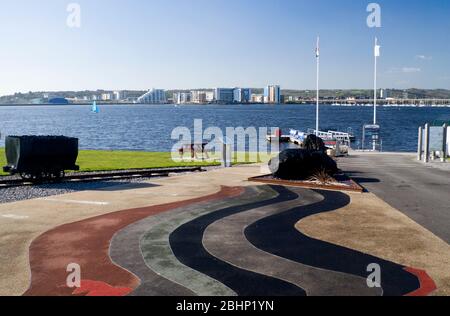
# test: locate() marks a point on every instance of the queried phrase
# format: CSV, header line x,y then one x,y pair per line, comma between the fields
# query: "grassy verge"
x,y
97,160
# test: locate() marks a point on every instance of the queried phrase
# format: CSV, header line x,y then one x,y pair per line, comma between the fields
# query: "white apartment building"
x,y
153,96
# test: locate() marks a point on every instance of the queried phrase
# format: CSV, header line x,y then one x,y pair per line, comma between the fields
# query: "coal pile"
x,y
314,143
301,164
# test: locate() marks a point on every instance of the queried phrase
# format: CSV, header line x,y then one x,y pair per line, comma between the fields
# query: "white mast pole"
x,y
375,84
377,54
317,86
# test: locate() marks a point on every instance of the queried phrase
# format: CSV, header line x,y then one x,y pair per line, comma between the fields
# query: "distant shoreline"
x,y
227,104
49,104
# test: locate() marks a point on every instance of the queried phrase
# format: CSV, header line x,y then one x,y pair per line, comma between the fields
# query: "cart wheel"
x,y
26,176
58,175
39,177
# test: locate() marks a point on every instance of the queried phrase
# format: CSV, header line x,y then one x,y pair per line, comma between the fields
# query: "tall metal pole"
x,y
376,54
317,87
375,87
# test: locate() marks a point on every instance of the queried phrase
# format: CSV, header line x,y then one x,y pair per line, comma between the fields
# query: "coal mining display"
x,y
314,143
302,164
37,157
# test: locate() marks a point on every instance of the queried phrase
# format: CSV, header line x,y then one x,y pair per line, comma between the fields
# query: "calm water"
x,y
149,127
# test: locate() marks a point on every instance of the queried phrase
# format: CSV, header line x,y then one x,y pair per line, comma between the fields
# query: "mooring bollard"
x,y
338,149
420,145
226,155
426,158
444,144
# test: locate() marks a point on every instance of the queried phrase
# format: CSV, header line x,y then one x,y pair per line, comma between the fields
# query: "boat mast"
x,y
317,86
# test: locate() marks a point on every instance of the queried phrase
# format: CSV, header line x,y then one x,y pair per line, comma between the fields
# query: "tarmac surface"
x,y
421,191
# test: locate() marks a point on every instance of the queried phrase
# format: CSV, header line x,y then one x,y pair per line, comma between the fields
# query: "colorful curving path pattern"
x,y
239,241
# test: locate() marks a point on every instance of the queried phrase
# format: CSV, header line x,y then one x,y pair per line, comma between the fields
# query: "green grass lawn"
x,y
96,160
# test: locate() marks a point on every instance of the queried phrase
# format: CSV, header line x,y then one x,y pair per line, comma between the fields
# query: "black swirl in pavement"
x,y
187,245
277,235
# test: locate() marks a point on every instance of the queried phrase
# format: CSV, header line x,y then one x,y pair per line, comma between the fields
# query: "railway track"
x,y
9,182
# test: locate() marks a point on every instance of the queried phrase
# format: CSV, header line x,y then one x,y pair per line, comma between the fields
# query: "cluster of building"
x,y
272,94
113,96
194,97
107,96
218,95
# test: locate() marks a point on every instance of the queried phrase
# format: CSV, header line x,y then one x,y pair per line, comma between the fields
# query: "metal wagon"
x,y
38,158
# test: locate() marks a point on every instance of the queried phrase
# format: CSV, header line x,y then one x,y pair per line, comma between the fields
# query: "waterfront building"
x,y
119,95
209,96
58,101
37,101
257,98
131,99
224,95
153,96
242,95
181,97
292,99
199,97
272,94
106,96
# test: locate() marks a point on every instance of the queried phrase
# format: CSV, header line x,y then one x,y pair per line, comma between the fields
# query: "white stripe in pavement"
x,y
13,216
77,202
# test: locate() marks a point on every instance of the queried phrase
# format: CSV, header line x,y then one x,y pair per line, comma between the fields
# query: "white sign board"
x,y
448,141
436,138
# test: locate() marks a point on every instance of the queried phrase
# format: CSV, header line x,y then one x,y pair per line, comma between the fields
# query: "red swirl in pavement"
x,y
95,288
87,243
427,285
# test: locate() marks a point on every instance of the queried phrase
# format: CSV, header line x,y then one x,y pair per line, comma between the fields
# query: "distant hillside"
x,y
368,94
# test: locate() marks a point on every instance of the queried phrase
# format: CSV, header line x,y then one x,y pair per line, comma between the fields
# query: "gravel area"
x,y
68,174
9,195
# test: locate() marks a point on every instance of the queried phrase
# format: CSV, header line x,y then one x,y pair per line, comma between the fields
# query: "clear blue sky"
x,y
137,44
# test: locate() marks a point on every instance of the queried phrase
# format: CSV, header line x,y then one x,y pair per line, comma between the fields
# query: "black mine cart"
x,y
38,158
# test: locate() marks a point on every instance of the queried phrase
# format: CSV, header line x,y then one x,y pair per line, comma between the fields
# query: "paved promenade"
x,y
215,233
420,191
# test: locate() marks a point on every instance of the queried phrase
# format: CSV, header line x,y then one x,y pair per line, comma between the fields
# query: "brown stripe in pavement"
x,y
86,243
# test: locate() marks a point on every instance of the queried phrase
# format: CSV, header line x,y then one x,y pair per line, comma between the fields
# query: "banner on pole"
x,y
377,49
318,48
